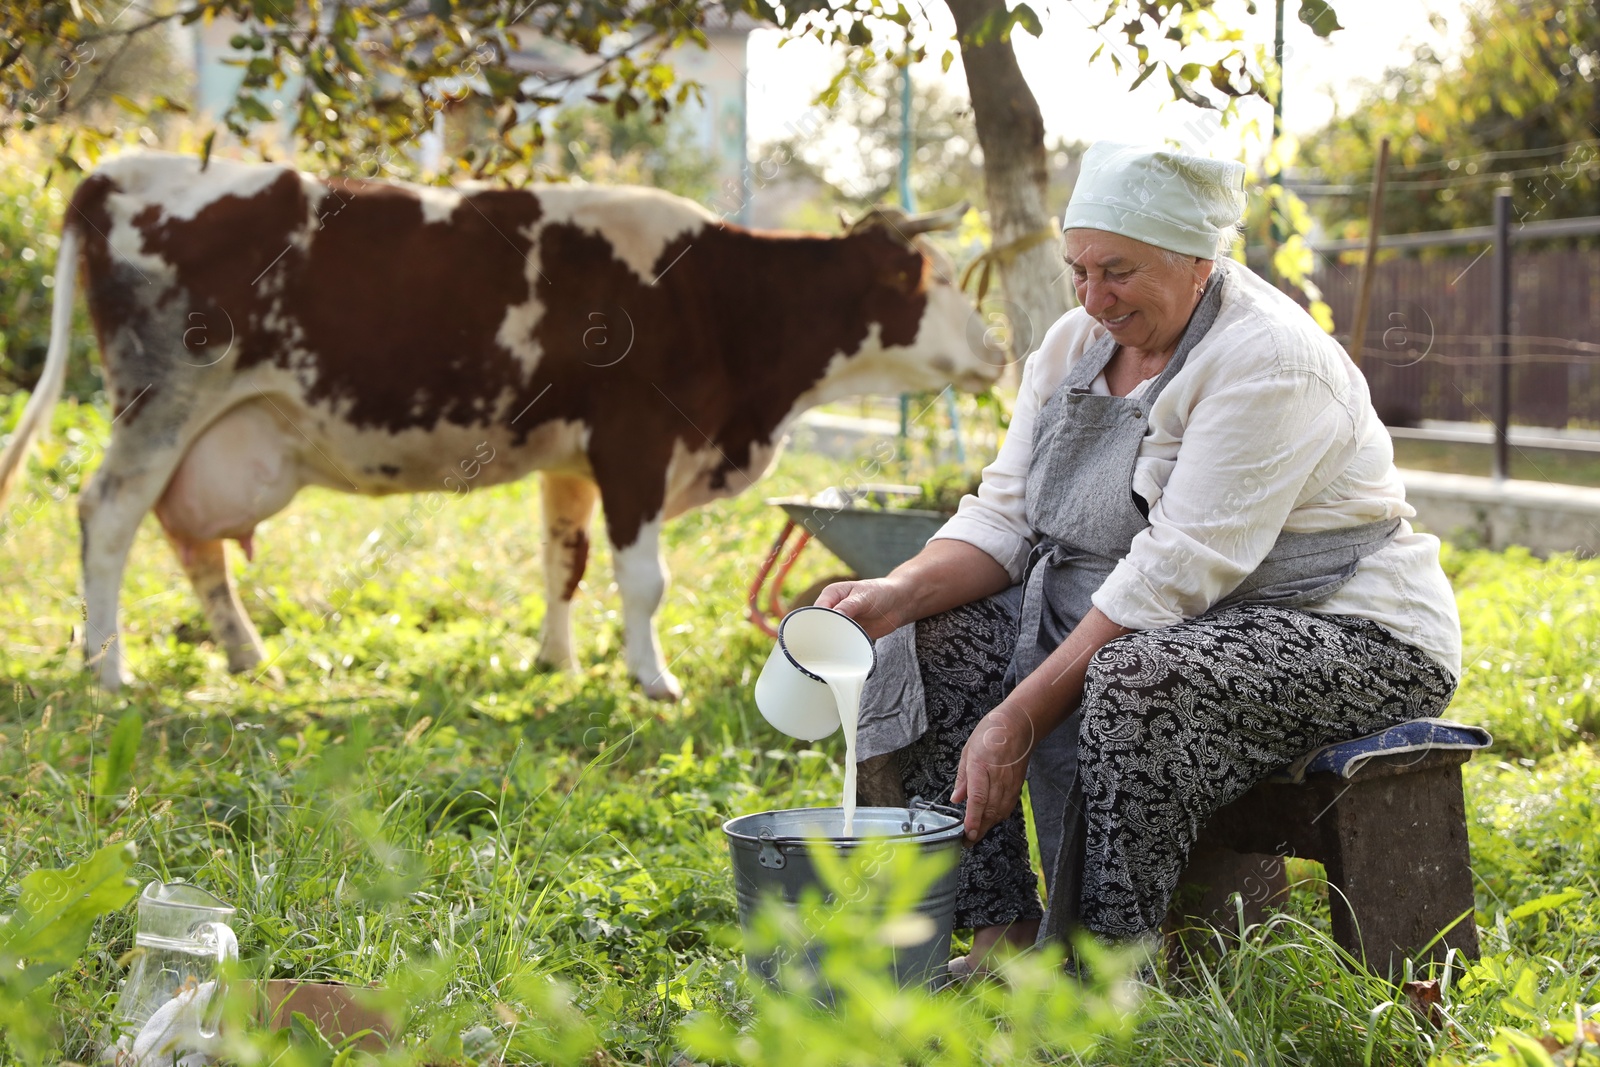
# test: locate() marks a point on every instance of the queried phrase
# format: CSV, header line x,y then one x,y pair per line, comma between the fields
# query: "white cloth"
x,y
172,1037
1173,200
1268,427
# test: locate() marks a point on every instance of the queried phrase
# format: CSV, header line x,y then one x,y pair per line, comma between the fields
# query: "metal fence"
x,y
1429,344
1430,348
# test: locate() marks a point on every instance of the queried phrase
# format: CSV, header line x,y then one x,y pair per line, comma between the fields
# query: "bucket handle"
x,y
918,804
770,846
768,854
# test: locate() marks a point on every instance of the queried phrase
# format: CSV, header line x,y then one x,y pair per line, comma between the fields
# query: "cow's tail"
x,y
43,401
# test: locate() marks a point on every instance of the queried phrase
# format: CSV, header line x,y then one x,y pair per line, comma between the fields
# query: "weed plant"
x,y
531,864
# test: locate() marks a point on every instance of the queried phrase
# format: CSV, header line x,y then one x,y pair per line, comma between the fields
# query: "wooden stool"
x,y
1393,838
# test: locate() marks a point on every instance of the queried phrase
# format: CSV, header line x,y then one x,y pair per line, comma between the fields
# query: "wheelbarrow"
x,y
870,540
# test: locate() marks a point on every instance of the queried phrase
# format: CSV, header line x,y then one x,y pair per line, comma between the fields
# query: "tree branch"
x,y
67,104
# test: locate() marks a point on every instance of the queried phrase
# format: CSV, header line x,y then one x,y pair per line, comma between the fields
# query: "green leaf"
x,y
502,83
1523,1001
1024,16
132,107
304,1032
1180,88
1143,74
252,109
56,910
346,49
945,60
1320,16
120,752
1548,902
1518,1049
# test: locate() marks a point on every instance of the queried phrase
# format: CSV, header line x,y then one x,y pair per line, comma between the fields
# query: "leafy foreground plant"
x,y
837,1002
520,858
47,934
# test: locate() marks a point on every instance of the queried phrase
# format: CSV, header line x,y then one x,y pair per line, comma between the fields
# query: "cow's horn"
x,y
947,219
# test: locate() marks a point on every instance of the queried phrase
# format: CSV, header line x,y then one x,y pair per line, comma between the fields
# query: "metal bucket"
x,y
771,856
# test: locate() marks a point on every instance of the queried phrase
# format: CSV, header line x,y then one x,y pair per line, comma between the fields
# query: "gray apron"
x,y
1082,508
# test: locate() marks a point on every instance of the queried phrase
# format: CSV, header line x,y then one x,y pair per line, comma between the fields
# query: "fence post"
x,y
1501,303
1369,265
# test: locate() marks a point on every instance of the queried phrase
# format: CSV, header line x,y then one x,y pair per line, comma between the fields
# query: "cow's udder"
x,y
240,470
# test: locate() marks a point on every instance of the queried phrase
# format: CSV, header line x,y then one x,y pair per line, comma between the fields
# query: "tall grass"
x,y
531,863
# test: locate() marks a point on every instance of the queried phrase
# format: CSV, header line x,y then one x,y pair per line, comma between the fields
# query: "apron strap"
x,y
1090,364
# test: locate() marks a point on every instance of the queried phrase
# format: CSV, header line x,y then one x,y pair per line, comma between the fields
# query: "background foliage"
x,y
852,152
1518,107
30,212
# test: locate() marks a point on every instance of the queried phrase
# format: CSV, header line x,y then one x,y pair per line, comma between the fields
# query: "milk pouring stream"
x,y
845,679
811,684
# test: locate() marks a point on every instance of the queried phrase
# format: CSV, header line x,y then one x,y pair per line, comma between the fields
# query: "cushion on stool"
x,y
1345,758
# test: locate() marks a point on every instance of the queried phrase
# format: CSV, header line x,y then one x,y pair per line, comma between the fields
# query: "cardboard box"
x,y
333,1006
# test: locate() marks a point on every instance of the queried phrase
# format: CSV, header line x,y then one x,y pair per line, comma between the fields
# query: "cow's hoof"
x,y
244,661
106,664
556,662
665,686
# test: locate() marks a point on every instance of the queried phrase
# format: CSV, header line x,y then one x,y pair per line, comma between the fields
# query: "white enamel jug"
x,y
791,696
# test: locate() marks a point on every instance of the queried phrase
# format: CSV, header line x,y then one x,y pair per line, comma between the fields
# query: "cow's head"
x,y
906,268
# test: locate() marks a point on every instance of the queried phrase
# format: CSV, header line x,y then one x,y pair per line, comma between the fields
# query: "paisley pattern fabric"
x,y
1177,722
963,654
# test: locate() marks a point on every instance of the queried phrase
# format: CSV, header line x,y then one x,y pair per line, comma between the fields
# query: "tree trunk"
x,y
1011,133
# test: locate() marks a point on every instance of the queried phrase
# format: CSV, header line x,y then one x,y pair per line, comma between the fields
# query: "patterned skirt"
x,y
1175,724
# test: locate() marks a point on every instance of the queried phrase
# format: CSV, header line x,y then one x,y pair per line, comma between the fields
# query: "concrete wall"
x,y
1542,516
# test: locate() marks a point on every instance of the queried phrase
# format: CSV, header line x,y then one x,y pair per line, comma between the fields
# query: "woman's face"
x,y
1137,291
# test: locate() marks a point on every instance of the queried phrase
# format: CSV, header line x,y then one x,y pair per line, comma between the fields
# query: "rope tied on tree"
x,y
1003,255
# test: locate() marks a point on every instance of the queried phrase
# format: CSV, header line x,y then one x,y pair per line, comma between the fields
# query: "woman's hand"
x,y
945,574
994,764
876,604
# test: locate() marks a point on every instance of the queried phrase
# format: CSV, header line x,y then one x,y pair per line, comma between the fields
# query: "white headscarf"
x,y
1168,199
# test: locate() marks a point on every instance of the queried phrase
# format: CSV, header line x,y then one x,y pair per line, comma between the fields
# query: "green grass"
x,y
534,860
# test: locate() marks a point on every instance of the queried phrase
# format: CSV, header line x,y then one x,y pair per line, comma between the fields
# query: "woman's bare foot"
x,y
992,942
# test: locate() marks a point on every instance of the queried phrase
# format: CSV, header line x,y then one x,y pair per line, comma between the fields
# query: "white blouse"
x,y
1268,427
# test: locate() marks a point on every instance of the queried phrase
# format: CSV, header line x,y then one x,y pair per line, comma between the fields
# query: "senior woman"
x,y
1188,565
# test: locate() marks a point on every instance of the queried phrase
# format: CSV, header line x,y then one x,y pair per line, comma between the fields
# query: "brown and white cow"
x,y
262,329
